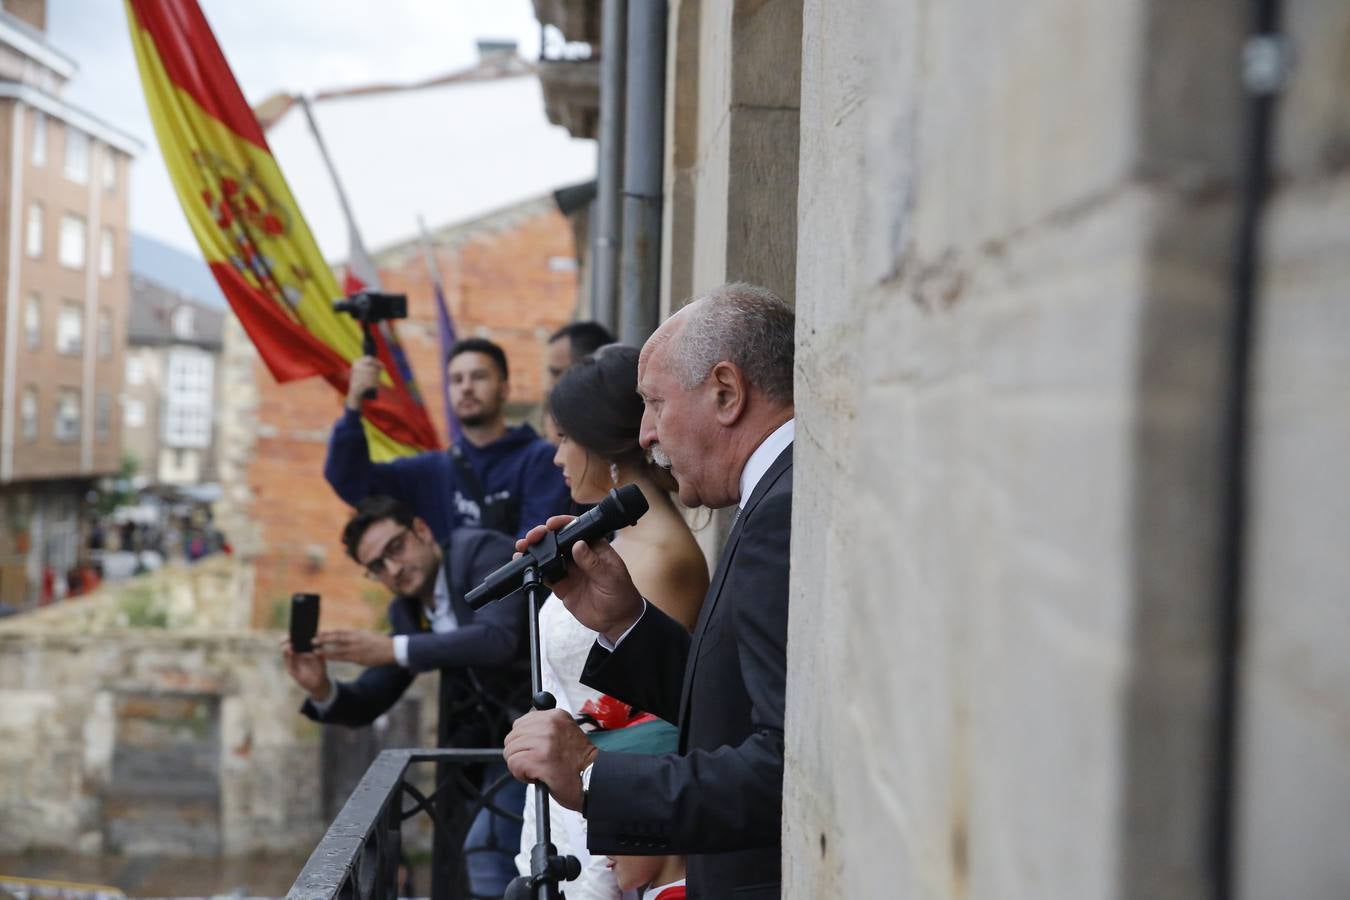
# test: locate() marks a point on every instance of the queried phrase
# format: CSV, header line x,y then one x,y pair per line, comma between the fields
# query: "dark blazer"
x,y
720,798
483,662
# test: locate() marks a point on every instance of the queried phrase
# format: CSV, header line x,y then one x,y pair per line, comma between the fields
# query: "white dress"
x,y
564,645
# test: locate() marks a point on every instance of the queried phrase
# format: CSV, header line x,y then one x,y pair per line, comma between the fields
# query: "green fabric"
x,y
656,736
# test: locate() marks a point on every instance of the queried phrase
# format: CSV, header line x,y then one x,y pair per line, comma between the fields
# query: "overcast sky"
x,y
275,45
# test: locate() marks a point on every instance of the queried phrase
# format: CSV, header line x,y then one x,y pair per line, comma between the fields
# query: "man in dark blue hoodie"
x,y
494,477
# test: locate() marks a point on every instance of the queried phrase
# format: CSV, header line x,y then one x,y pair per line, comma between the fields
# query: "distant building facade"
x,y
168,403
63,297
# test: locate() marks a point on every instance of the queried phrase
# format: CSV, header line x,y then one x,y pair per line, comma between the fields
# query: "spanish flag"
x,y
248,225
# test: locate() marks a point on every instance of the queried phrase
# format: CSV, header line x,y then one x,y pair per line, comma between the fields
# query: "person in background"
x,y
481,656
568,346
571,344
495,477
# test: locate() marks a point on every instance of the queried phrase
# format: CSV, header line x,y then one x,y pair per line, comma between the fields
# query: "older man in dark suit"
x,y
717,381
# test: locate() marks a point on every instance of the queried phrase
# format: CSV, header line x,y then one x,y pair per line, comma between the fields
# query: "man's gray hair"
x,y
743,324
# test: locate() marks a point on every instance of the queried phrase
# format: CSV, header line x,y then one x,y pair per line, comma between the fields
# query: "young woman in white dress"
x,y
598,413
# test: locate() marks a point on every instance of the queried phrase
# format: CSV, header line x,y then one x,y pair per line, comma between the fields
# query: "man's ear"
x,y
423,530
730,391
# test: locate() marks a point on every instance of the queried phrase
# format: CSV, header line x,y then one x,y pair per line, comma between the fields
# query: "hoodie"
x,y
517,469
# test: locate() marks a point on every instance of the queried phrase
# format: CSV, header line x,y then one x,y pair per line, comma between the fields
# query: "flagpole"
x,y
445,327
424,239
337,186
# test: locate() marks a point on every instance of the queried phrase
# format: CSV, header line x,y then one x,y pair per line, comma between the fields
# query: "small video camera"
x,y
369,307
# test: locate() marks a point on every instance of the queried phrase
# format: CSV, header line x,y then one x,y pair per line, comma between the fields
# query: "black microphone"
x,y
623,507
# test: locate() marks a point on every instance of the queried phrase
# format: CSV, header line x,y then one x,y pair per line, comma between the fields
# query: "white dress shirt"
x,y
763,457
441,617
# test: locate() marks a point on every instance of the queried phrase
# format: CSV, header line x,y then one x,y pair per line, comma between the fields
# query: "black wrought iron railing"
x,y
359,857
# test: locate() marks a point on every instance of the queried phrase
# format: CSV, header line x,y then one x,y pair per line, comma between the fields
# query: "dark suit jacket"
x,y
720,798
483,662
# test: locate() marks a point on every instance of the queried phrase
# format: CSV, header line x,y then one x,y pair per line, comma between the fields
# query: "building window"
x,y
187,399
67,414
70,329
29,413
133,413
77,155
104,332
102,416
105,253
135,370
39,138
109,171
32,322
33,240
181,323
71,249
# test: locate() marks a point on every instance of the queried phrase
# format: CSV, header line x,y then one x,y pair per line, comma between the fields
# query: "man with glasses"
x,y
482,656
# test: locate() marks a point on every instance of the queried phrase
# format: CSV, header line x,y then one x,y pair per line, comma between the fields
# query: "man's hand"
x,y
309,671
365,375
547,746
597,588
364,648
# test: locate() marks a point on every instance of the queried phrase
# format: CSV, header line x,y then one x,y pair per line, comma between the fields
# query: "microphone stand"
x,y
547,867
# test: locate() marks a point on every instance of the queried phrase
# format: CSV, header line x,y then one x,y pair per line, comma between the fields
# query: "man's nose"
x,y
647,430
392,567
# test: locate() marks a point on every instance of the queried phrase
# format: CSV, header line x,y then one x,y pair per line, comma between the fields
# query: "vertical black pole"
x,y
643,172
547,869
1263,71
609,179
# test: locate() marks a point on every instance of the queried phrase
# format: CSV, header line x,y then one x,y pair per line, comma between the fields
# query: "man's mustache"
x,y
658,456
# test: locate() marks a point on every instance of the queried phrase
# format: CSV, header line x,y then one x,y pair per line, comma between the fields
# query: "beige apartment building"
x,y
64,274
171,384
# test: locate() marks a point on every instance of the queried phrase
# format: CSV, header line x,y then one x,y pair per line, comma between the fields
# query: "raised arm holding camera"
x,y
497,477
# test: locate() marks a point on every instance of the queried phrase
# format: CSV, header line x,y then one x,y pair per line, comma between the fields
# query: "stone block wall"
x,y
1015,231
77,712
124,737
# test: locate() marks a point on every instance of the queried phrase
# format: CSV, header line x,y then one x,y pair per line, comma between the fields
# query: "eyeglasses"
x,y
378,567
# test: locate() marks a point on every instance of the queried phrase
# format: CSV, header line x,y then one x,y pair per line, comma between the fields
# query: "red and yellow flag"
x,y
248,225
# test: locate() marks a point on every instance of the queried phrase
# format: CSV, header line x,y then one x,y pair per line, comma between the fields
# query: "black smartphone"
x,y
304,621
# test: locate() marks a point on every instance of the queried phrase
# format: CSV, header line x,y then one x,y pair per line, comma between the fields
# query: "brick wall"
x,y
507,278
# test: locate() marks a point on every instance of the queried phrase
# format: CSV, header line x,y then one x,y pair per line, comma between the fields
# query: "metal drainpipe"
x,y
644,159
609,177
1265,68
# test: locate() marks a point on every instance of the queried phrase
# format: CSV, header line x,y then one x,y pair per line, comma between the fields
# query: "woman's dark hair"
x,y
596,403
375,508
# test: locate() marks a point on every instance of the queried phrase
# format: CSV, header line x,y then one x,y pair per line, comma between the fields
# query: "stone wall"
x,y
731,173
147,719
1015,225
